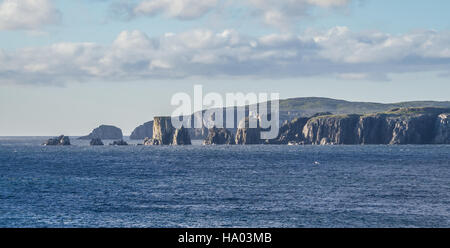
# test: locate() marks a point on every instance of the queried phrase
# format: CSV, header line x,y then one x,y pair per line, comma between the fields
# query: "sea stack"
x,y
165,134
247,135
57,141
163,130
105,132
181,137
219,136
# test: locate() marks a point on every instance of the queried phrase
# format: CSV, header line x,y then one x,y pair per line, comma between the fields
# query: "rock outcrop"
x,y
290,132
398,126
119,143
442,129
181,137
143,131
247,135
335,129
163,130
105,132
96,142
165,134
146,130
219,136
57,141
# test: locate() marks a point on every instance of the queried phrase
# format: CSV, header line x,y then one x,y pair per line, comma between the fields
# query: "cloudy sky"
x,y
69,66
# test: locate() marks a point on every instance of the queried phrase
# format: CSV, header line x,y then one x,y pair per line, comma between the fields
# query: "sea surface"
x,y
222,186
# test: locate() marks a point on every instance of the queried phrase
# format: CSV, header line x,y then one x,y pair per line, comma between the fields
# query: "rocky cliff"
x,y
165,134
247,135
219,136
398,126
334,129
290,132
104,132
181,137
163,130
442,129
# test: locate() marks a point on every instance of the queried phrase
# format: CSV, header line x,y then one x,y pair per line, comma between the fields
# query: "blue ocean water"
x,y
223,186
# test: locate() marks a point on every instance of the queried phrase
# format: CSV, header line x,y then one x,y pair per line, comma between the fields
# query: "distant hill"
x,y
308,106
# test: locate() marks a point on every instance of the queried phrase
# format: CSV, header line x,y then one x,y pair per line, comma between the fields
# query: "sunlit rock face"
x,y
163,130
165,134
442,129
335,129
247,135
181,137
396,127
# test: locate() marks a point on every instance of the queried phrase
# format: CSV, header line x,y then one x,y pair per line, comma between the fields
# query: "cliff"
x,y
442,129
181,137
104,132
398,126
335,129
165,134
247,135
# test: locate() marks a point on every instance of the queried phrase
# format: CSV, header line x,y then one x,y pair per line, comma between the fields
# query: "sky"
x,y
67,67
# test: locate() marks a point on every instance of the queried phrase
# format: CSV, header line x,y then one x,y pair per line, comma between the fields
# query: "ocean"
x,y
222,186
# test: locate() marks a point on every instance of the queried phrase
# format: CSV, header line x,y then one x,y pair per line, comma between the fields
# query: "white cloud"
x,y
337,52
181,9
282,14
27,14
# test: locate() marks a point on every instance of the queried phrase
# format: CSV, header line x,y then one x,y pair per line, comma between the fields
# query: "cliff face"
x,y
104,132
143,131
163,130
181,137
331,130
291,132
398,126
246,135
442,129
219,136
165,134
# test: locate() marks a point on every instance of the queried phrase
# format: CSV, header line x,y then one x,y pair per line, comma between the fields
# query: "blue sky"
x,y
69,66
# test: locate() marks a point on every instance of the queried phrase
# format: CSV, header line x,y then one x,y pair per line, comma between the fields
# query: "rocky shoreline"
x,y
399,126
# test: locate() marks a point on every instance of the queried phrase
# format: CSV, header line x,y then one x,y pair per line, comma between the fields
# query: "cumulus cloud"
x,y
134,55
27,14
276,13
179,9
282,14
